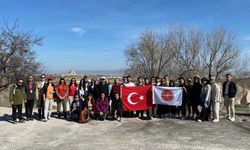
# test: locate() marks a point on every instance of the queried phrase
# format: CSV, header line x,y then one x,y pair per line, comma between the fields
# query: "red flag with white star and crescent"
x,y
136,98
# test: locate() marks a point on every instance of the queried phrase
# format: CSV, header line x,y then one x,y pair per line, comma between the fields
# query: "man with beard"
x,y
30,90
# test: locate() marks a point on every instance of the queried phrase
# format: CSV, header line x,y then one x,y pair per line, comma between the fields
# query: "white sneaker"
x,y
199,120
232,119
215,120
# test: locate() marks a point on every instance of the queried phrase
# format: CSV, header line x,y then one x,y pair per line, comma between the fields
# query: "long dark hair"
x,y
61,82
81,84
71,81
171,82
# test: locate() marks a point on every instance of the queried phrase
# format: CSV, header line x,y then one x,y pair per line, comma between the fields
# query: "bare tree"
x,y
187,45
149,55
18,59
220,51
181,51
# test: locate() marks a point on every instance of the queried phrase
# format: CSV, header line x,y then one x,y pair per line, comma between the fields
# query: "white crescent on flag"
x,y
129,98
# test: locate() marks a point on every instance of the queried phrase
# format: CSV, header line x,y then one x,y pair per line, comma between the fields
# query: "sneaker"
x,y
215,120
44,120
199,120
232,119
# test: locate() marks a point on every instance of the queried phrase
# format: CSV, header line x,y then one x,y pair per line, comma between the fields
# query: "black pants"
x,y
183,108
29,108
41,109
101,117
204,113
190,110
118,112
195,110
19,108
160,110
173,110
75,115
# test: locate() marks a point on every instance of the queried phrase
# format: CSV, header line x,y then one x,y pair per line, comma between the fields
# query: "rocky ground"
x,y
131,133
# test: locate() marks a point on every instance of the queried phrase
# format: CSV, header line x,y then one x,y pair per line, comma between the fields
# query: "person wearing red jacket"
x,y
62,95
72,90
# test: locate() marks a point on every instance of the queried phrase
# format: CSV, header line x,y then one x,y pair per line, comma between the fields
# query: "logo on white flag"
x,y
167,95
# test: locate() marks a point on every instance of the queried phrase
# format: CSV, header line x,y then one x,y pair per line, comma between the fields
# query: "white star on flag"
x,y
141,98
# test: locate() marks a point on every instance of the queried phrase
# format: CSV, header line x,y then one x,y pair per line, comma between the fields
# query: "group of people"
x,y
98,99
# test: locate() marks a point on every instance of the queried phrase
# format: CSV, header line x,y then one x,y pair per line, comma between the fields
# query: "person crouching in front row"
x,y
102,106
91,104
116,107
76,108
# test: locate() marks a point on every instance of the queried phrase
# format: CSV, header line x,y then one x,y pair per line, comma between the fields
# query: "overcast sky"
x,y
92,34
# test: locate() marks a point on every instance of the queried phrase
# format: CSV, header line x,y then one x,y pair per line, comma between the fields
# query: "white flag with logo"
x,y
167,95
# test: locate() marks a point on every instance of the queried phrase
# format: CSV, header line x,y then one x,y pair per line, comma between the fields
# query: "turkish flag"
x,y
136,98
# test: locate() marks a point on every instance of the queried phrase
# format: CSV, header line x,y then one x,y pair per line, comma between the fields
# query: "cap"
x,y
50,78
103,78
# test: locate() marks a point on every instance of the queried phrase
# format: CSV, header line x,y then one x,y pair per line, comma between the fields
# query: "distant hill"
x,y
119,72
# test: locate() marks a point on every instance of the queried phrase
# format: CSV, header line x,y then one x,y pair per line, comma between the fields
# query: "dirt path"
x,y
129,134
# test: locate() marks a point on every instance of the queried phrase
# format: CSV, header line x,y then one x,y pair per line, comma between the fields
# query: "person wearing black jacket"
x,y
116,107
184,98
229,92
195,98
30,90
102,88
76,108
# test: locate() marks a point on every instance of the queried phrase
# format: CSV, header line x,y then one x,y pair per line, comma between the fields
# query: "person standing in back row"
x,y
62,94
39,96
205,99
182,108
30,90
229,92
49,97
215,99
72,90
17,96
195,97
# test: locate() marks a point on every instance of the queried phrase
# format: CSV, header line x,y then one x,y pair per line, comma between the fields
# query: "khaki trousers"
x,y
229,103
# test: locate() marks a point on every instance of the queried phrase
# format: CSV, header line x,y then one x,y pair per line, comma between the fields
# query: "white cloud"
x,y
78,30
246,37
